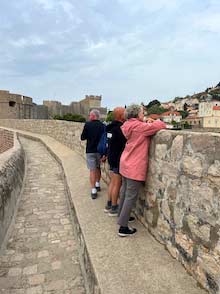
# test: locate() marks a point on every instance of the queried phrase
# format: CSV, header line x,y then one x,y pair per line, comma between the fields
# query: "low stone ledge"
x,y
12,168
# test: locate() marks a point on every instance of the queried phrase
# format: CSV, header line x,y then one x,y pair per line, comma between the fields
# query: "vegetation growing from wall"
x,y
70,117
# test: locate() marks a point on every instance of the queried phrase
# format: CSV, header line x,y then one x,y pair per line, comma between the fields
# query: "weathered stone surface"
x,y
177,148
164,229
214,169
193,166
161,151
185,242
11,179
209,264
203,144
178,215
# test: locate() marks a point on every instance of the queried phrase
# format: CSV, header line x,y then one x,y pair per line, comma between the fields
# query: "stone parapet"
x,y
179,203
12,167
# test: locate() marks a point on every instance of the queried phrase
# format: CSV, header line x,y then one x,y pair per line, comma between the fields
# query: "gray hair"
x,y
96,113
132,111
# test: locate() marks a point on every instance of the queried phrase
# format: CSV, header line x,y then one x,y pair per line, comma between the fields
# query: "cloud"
x,y
135,50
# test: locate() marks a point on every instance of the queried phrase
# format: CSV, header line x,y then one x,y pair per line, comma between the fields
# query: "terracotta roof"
x,y
192,117
154,116
167,113
216,108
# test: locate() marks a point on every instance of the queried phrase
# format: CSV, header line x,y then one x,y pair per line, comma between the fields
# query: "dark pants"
x,y
128,197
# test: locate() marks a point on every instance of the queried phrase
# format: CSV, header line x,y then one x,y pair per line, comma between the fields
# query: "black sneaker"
x,y
126,231
131,219
108,206
98,189
94,195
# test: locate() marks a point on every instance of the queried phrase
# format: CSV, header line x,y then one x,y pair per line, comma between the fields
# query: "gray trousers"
x,y
128,197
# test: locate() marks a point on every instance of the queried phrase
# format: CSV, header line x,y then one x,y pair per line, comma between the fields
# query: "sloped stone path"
x,y
41,255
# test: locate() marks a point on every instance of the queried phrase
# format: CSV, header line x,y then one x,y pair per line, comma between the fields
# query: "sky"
x,y
127,51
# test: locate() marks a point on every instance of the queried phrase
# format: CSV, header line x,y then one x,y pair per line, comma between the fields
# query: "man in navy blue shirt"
x,y
92,132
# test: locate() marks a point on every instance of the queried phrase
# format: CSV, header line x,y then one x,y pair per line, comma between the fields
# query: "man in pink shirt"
x,y
134,161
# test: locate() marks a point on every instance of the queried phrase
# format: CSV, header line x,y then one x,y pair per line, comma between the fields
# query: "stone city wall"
x,y
6,140
12,166
180,201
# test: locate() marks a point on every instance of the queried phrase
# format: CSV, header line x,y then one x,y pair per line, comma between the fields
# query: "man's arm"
x,y
84,133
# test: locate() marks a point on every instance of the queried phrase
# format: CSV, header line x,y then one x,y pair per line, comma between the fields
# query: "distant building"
x,y
210,114
15,106
82,107
170,116
167,117
194,121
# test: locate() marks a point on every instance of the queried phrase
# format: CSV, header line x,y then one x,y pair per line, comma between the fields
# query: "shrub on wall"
x,y
70,117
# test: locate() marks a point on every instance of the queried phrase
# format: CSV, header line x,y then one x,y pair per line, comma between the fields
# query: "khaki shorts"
x,y
93,160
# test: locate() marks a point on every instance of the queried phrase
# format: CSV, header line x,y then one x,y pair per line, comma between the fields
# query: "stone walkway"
x,y
41,255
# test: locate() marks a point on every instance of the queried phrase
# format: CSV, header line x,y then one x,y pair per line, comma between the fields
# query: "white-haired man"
x,y
92,132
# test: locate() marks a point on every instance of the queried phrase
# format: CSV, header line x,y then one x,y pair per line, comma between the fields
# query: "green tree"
x,y
57,116
183,113
109,117
154,102
156,109
71,117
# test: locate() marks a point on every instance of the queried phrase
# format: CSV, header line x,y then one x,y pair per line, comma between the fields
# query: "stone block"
x,y
209,264
14,271
185,242
178,217
198,231
164,229
172,250
36,280
192,166
214,169
30,270
161,152
177,148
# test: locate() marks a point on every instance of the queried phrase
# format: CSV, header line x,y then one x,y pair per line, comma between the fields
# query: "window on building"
x,y
12,103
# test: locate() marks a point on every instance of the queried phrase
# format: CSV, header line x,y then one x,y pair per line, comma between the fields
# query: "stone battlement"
x,y
179,203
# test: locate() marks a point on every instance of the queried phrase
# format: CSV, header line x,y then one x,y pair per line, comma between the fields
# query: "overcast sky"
x,y
125,50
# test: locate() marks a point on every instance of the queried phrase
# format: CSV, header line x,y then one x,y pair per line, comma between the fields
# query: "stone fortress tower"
x,y
82,107
16,106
